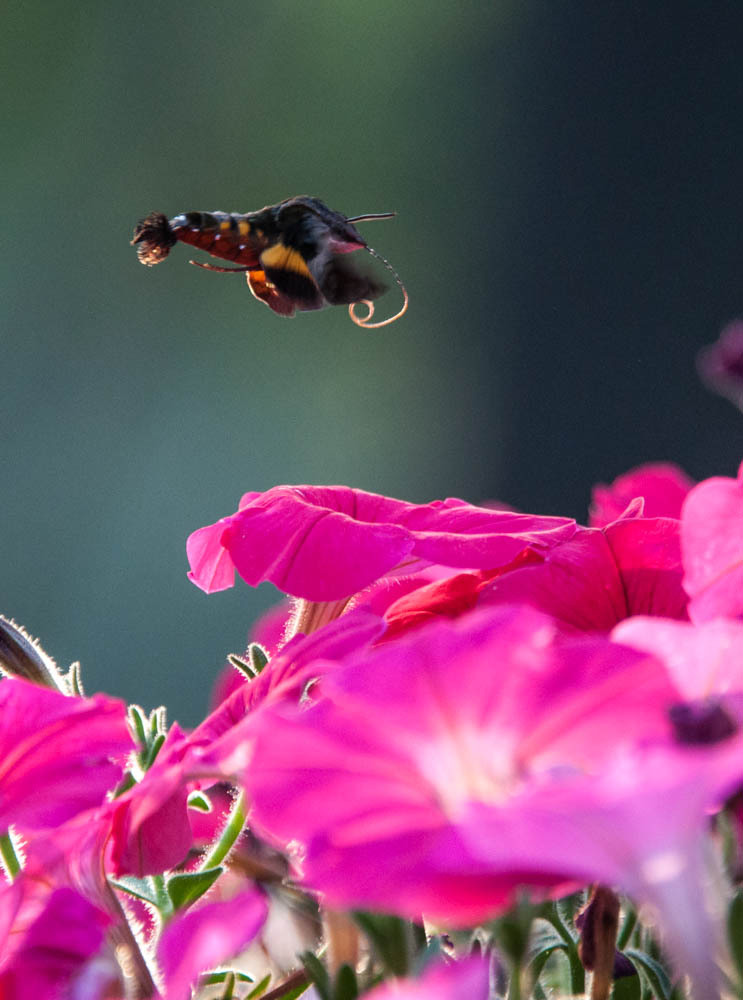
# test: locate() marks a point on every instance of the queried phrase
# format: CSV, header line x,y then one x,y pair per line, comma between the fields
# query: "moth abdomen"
x,y
223,234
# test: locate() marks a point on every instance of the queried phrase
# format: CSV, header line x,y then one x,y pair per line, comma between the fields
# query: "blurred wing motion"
x,y
294,254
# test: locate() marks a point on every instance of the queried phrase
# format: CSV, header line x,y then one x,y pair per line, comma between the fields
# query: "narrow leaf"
x,y
219,975
137,718
318,974
346,987
140,888
186,888
258,657
735,931
260,987
651,972
197,800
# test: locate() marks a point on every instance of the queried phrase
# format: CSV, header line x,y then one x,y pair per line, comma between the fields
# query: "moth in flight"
x,y
295,255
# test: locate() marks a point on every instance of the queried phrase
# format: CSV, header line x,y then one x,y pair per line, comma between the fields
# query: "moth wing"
x,y
267,292
341,280
287,270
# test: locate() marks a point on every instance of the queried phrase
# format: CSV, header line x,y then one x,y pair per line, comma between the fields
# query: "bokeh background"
x,y
570,229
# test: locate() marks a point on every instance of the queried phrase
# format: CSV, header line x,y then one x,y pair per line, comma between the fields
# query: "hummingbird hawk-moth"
x,y
295,255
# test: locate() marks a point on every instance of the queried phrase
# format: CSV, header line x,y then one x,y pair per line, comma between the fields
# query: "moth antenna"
x,y
155,238
364,321
221,270
369,218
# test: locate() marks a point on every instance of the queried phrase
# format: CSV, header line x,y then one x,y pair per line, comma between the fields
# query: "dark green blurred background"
x,y
570,229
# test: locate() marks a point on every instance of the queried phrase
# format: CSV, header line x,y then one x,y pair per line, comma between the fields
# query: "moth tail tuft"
x,y
155,238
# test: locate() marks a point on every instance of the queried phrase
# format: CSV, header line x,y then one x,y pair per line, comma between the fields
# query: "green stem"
x,y
11,864
164,903
514,987
229,987
229,834
553,916
577,972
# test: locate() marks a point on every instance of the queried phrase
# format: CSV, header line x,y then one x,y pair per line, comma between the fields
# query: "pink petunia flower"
x,y
588,583
468,759
206,936
328,543
705,661
51,946
720,365
73,856
58,755
662,487
712,548
151,826
411,742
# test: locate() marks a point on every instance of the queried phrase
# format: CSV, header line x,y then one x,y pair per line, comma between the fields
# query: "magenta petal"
x,y
327,543
405,734
150,831
205,937
312,543
150,828
712,547
577,582
661,485
465,980
211,565
598,577
704,660
56,753
647,552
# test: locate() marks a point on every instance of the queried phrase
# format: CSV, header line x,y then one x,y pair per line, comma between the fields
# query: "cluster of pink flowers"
x,y
462,704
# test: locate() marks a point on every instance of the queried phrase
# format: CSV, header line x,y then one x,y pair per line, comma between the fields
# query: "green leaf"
x,y
75,680
346,987
186,888
651,972
152,752
294,991
391,938
544,942
240,663
544,937
568,907
158,721
219,975
138,720
318,974
258,657
127,782
197,800
140,888
735,931
260,987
